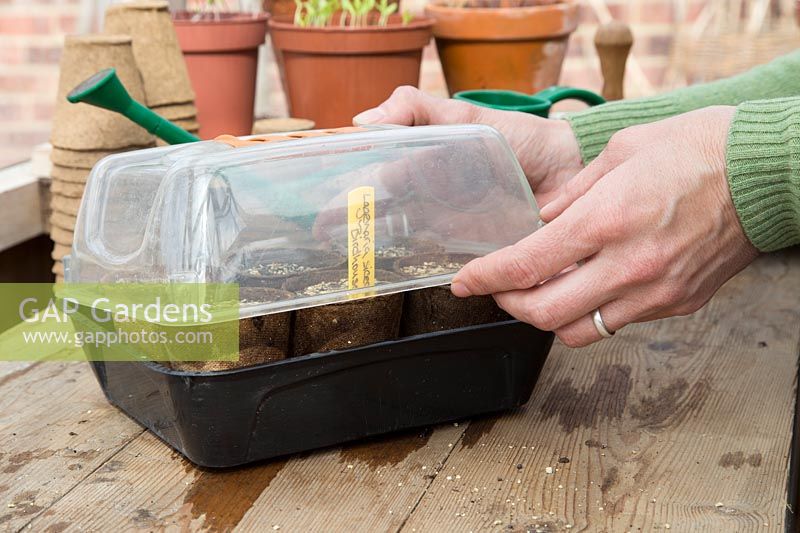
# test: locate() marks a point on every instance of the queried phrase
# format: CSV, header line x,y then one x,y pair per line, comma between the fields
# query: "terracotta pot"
x,y
222,57
331,74
515,48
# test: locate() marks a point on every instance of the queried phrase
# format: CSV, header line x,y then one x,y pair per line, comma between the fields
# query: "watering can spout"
x,y
104,89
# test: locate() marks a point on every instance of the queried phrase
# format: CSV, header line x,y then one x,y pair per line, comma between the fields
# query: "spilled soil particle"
x,y
19,460
543,527
387,450
85,454
224,496
604,399
736,460
22,505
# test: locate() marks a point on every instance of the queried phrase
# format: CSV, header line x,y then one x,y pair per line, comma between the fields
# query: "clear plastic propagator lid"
x,y
304,219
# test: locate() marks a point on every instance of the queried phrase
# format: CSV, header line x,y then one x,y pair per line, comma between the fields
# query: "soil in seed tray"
x,y
262,339
271,268
387,256
435,308
249,296
344,325
433,264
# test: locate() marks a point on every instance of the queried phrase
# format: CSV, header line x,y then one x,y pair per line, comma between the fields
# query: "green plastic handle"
x,y
557,93
157,125
105,90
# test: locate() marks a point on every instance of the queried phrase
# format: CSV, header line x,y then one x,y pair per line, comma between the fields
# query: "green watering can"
x,y
105,90
537,104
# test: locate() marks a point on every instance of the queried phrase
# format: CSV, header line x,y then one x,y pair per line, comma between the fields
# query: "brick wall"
x,y
31,32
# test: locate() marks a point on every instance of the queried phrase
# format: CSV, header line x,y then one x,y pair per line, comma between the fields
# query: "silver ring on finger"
x,y
597,318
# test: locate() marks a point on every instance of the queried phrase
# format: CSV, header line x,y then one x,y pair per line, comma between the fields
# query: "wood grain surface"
x,y
681,424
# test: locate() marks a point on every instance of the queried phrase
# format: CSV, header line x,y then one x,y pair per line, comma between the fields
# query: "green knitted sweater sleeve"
x,y
763,164
595,126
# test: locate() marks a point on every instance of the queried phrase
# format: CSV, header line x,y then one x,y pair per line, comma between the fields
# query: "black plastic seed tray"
x,y
224,419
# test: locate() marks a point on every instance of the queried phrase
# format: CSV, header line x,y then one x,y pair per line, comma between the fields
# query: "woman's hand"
x,y
546,149
653,221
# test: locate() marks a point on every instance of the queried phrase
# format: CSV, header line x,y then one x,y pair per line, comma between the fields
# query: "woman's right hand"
x,y
546,148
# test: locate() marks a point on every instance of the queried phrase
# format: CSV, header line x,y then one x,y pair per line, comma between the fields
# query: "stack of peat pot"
x,y
82,134
140,43
168,90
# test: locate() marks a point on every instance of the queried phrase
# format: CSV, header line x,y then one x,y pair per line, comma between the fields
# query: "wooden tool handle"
x,y
613,42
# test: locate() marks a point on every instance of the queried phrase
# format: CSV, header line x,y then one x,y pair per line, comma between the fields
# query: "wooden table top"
x,y
681,424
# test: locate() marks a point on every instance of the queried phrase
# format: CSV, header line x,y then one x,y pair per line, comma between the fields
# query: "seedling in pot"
x,y
353,13
358,11
460,4
209,9
385,9
315,13
215,7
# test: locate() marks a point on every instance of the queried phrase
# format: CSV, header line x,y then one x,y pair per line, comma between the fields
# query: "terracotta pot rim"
x,y
417,24
229,19
239,32
442,7
532,23
336,41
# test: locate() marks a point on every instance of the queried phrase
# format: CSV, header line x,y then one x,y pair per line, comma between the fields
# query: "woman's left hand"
x,y
653,222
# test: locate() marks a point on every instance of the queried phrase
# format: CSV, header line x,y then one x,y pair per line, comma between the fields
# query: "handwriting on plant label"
x,y
361,238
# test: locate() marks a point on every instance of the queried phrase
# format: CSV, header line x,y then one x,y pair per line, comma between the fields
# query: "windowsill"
x,y
23,205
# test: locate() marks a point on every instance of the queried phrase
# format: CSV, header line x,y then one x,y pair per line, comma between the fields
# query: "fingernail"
x,y
459,289
370,116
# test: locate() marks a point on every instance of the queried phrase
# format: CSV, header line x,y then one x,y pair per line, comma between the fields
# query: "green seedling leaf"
x,y
299,18
385,9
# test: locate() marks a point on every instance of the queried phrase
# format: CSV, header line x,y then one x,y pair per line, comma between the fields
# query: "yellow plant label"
x,y
361,238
